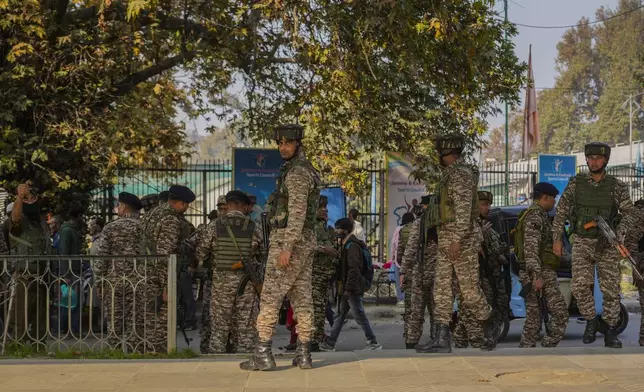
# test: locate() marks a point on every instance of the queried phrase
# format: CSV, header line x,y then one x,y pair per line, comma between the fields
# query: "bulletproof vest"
x,y
403,237
547,257
592,200
323,235
278,200
33,241
446,210
231,251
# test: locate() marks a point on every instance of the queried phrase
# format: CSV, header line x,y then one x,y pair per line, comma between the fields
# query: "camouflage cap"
x,y
450,142
221,200
597,148
288,132
324,201
486,196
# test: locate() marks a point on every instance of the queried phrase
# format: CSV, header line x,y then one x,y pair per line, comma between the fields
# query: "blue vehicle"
x,y
504,219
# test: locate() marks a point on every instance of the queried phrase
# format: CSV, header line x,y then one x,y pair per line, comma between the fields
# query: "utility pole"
x,y
630,131
507,133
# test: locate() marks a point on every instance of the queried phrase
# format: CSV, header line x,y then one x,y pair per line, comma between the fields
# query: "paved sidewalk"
x,y
551,370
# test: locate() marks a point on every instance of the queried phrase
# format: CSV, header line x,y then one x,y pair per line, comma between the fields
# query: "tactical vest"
x,y
278,200
231,251
592,200
446,210
403,237
548,258
33,241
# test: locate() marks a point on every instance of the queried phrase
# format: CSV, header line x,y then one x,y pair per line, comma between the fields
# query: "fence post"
x,y
381,243
172,303
204,192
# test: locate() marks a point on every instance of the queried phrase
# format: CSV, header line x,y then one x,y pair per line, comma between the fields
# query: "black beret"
x,y
486,196
131,200
181,193
213,215
546,188
163,196
639,203
424,200
237,196
149,200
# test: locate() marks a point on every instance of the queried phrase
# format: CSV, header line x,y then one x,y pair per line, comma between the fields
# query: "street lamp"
x,y
630,101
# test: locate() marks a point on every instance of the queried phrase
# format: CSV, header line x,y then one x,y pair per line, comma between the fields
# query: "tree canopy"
x,y
90,85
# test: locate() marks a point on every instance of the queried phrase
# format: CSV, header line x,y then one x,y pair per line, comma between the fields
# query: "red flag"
x,y
530,114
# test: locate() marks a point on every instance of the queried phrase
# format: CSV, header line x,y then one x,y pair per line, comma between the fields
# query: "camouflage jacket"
x,y
325,237
537,237
460,181
493,247
566,204
120,237
162,236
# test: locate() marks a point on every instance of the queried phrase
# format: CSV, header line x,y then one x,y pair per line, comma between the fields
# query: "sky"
x,y
544,41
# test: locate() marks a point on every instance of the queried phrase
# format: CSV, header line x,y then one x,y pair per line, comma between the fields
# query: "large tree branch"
x,y
131,81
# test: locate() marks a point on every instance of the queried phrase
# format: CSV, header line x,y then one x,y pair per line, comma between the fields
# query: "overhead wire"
x,y
581,24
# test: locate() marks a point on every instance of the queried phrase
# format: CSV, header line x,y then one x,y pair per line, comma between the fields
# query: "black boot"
x,y
489,335
590,333
610,339
410,346
442,343
261,359
303,356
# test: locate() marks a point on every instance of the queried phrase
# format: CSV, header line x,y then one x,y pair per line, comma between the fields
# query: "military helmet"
x,y
486,196
597,148
324,201
288,132
449,143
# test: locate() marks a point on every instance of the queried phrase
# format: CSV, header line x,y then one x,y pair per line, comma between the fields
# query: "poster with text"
x,y
557,170
403,193
255,170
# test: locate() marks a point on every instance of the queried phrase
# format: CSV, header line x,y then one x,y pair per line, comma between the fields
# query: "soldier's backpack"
x,y
367,263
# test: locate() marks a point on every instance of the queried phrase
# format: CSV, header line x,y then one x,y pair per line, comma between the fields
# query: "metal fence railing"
x,y
99,303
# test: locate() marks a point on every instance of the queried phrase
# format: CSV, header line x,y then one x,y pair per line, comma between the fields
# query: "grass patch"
x,y
16,350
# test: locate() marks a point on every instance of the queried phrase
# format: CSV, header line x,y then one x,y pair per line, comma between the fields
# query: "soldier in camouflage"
x,y
491,258
459,243
230,239
206,321
149,202
537,267
123,296
293,211
323,269
162,236
405,269
221,205
588,195
418,278
634,241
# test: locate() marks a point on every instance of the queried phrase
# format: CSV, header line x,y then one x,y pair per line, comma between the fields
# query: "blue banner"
x,y
557,170
255,170
337,204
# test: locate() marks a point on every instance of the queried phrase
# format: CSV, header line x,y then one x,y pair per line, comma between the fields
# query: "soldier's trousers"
x,y
586,254
206,320
467,331
320,286
294,281
407,311
422,297
557,310
119,310
29,308
466,271
156,320
233,316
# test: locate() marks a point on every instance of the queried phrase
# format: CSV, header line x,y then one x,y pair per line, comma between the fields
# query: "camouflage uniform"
x,y
490,260
162,236
301,185
403,239
123,293
540,263
233,316
632,242
419,282
323,270
588,251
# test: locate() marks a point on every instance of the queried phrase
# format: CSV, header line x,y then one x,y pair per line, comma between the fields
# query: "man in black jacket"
x,y
352,274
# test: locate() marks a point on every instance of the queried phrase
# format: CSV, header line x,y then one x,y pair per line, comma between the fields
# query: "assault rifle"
x,y
609,234
543,305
